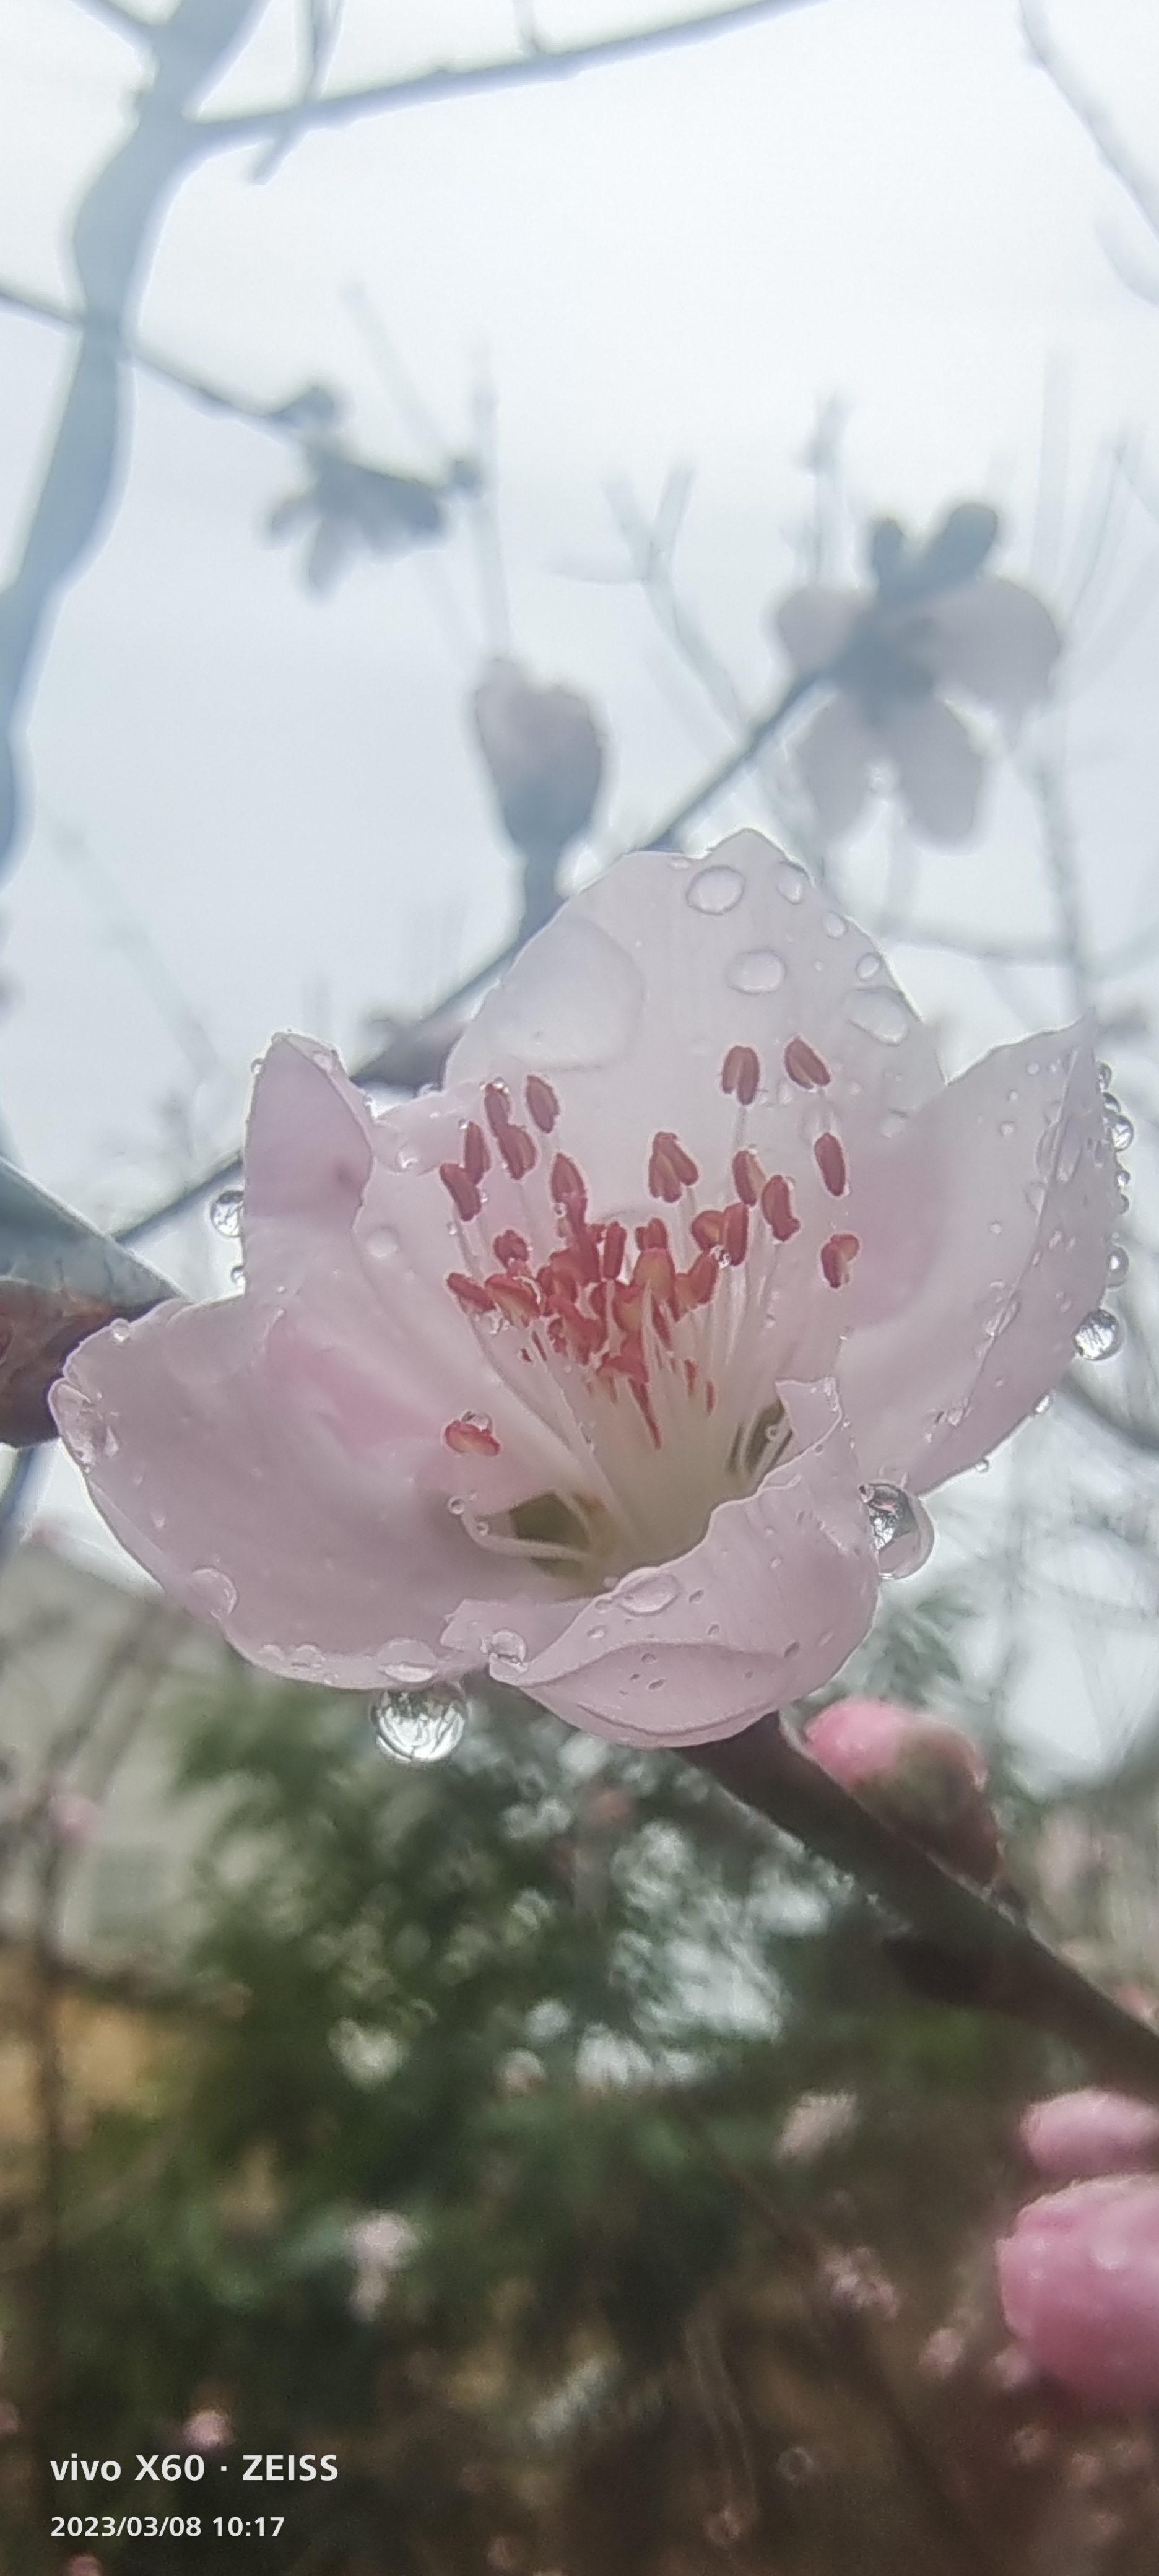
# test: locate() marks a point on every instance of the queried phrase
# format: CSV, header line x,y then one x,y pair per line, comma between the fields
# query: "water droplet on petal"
x,y
796,2465
791,880
404,1660
1099,1335
210,1590
715,889
983,1467
1118,1264
225,1212
419,1726
119,1329
508,1648
1070,1150
1122,1133
882,1015
834,925
901,1529
237,1275
1106,1076
307,1662
645,1594
868,968
758,970
83,1426
381,1241
1042,1406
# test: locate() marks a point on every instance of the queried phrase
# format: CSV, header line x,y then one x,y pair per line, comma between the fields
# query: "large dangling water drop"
x,y
901,1529
419,1726
1099,1336
225,1212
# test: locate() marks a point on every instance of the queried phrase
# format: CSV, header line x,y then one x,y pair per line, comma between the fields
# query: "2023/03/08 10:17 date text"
x,y
166,2526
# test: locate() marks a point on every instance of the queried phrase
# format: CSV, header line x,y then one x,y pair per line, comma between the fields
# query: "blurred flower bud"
x,y
73,1819
1079,2282
545,756
381,2243
919,1772
1074,2136
816,2121
207,2430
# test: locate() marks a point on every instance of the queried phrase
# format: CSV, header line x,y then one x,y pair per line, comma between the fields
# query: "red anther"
x,y
462,1189
586,1246
568,1188
707,1229
511,1250
670,1170
838,1257
471,1439
476,1158
560,1277
497,1106
473,1298
700,1281
652,1235
515,1299
612,1251
830,1162
747,1176
628,1361
655,1272
777,1208
741,1073
517,1146
709,1397
736,1233
805,1067
542,1103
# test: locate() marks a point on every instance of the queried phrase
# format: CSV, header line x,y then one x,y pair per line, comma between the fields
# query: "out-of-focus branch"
x,y
1113,151
985,1955
459,80
110,241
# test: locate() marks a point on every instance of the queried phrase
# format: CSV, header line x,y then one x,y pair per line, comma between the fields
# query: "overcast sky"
x,y
663,263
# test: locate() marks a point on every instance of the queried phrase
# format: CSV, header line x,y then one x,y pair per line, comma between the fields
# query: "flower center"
x,y
637,1356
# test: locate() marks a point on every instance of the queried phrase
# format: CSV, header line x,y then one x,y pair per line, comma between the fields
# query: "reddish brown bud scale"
x,y
805,1067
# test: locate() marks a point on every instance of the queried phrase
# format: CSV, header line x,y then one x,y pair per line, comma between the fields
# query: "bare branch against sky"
x,y
112,238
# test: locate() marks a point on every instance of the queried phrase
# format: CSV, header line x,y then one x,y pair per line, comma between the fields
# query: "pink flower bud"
x,y
545,755
1079,2282
1076,2135
920,1772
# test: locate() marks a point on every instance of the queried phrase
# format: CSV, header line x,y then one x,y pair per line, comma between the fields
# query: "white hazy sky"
x,y
663,263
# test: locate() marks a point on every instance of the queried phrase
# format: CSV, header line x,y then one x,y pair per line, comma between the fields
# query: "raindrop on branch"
x,y
1099,1335
419,1726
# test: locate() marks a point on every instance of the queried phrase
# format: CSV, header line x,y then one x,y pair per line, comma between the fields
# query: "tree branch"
x,y
454,80
1132,175
110,240
1001,1965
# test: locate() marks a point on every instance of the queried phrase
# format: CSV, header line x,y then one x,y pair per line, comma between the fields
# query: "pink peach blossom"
x,y
1079,2281
577,1370
924,1774
1075,2135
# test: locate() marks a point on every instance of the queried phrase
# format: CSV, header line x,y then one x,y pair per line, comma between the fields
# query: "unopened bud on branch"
x,y
920,1773
545,756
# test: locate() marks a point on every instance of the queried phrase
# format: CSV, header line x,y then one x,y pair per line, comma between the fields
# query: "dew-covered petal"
x,y
834,753
777,1594
997,641
630,1000
939,769
986,1226
271,1488
1079,2282
815,625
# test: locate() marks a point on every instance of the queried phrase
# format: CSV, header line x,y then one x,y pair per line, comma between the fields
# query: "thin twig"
x,y
459,80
